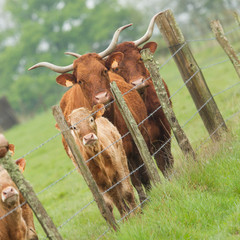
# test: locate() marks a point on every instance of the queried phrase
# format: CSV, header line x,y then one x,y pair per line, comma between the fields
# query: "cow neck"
x,y
15,219
109,112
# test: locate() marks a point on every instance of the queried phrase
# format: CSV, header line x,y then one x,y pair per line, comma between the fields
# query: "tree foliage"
x,y
43,31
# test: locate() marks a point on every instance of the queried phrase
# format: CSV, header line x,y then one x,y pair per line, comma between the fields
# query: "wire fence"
x,y
151,114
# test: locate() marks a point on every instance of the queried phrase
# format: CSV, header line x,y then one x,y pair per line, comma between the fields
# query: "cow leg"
x,y
28,218
135,179
118,201
163,157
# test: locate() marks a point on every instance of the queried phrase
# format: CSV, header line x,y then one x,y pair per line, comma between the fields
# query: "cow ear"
x,y
21,164
11,148
100,110
66,79
152,46
114,60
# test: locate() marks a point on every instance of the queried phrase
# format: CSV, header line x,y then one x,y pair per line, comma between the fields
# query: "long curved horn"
x,y
114,41
68,68
73,54
111,46
53,67
148,33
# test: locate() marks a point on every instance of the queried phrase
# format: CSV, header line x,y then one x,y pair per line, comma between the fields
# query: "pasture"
x,y
205,196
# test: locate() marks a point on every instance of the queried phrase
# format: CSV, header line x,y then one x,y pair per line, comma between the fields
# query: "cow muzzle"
x,y
140,84
90,139
10,196
102,98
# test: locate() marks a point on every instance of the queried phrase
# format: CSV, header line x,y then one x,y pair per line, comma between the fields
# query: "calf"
x,y
25,211
13,226
93,134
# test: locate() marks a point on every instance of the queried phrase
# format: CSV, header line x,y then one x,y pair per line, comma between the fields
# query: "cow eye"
x,y
79,82
116,69
105,71
91,119
74,127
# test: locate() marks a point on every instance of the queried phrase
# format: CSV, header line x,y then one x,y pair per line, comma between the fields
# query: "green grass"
x,y
202,201
199,203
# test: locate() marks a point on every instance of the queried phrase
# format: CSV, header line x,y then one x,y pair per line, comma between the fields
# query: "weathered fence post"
x,y
182,139
223,41
136,134
31,198
189,69
237,17
57,112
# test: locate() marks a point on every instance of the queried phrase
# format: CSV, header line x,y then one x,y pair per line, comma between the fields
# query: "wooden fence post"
x,y
136,134
237,18
57,112
182,139
31,198
223,41
189,69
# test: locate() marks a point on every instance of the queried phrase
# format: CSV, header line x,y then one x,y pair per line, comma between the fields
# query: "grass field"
x,y
201,202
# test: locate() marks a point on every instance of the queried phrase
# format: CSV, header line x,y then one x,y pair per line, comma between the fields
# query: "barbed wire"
x,y
166,143
11,211
67,174
139,205
225,120
50,139
233,115
214,38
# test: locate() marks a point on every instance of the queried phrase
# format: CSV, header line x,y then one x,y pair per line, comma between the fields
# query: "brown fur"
x,y
131,68
110,166
91,74
13,226
25,211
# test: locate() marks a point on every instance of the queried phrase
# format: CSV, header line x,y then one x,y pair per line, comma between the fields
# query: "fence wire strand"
x,y
50,139
67,174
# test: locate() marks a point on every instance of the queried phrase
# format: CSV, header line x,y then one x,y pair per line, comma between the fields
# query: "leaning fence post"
x,y
136,134
31,198
190,70
152,67
224,43
57,112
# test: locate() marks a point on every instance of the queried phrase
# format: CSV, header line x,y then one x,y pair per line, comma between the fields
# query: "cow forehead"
x,y
88,62
79,114
5,179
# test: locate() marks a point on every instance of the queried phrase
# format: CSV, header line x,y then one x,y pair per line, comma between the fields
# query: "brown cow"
x,y
13,226
93,134
131,67
25,210
91,85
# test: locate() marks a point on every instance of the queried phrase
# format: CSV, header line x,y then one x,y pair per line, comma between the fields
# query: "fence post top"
x,y
3,141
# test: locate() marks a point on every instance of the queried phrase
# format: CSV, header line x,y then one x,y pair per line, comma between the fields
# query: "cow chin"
x,y
11,200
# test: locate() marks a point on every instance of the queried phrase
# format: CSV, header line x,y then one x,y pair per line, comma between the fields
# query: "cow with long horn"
x,y
132,69
90,81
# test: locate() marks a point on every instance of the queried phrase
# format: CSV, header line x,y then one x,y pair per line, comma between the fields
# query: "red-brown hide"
x,y
25,211
91,85
132,69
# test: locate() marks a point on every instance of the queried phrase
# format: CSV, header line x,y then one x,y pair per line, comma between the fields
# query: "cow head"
x,y
130,66
8,190
91,74
84,128
89,71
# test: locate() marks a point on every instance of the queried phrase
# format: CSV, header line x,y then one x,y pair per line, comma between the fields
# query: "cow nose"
x,y
89,138
8,193
138,82
102,97
8,190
